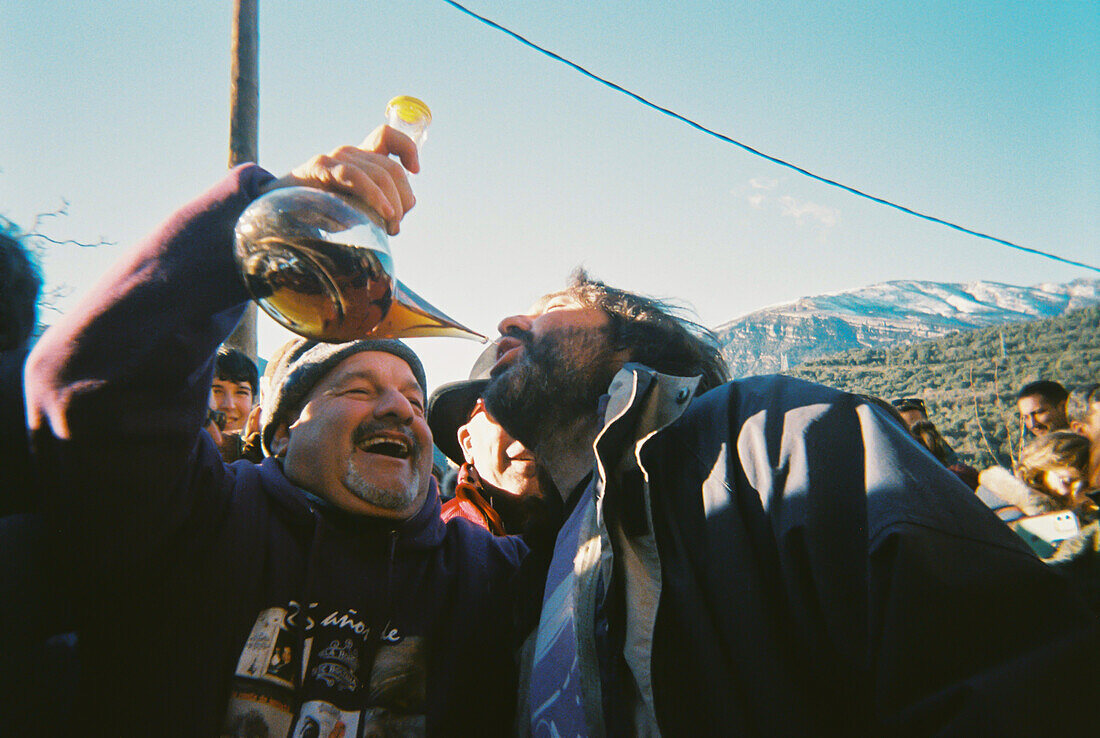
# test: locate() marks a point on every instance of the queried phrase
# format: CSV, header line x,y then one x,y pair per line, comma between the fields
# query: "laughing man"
x,y
317,591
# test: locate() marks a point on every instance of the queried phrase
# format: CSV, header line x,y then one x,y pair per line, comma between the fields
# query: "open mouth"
x,y
508,350
393,446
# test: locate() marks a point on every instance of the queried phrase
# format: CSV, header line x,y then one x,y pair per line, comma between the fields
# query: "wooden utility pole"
x,y
244,128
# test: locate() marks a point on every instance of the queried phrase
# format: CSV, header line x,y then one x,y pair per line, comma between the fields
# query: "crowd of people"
x,y
632,543
1049,496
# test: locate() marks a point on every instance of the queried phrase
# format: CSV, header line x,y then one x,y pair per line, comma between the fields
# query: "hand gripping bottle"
x,y
320,263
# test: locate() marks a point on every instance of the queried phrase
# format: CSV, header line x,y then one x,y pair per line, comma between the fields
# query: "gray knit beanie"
x,y
301,363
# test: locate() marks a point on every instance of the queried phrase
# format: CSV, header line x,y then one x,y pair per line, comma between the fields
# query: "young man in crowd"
x,y
236,387
1042,407
762,557
318,591
234,394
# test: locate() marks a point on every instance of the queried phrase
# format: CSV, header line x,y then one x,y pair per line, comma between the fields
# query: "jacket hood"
x,y
425,529
1004,484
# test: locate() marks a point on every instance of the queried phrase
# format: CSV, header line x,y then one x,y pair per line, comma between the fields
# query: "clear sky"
x,y
986,113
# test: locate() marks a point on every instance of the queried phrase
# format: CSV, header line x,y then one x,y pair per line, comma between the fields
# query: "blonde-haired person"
x,y
1057,465
1055,470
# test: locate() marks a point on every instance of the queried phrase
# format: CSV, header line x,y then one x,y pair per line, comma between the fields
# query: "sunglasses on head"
x,y
909,403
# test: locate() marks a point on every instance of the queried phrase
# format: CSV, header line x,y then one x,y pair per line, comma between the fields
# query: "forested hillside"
x,y
969,380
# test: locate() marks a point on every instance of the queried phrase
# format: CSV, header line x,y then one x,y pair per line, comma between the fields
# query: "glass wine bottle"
x,y
320,264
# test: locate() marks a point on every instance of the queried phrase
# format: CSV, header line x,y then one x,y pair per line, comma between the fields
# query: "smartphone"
x,y
1044,532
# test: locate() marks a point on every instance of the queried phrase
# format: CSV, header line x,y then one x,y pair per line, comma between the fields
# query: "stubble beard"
x,y
382,497
556,383
385,498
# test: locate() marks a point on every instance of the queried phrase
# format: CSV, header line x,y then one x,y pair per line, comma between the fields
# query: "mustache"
x,y
369,428
522,335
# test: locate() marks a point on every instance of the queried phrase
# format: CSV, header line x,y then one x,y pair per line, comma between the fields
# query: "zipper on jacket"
x,y
383,623
394,534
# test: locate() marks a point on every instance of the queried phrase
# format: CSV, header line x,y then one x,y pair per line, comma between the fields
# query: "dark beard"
x,y
557,381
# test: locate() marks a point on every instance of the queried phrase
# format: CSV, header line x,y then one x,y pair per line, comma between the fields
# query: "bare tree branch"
x,y
72,242
39,242
35,231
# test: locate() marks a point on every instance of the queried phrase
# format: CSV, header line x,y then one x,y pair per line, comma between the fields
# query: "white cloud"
x,y
763,193
763,184
801,211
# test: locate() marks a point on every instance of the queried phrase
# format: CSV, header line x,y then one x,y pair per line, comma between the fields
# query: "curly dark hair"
x,y
654,331
20,285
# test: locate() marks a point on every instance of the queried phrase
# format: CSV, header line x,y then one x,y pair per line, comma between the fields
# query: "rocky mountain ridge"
x,y
887,314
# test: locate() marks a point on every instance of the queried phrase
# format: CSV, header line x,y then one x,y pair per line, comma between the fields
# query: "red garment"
x,y
468,503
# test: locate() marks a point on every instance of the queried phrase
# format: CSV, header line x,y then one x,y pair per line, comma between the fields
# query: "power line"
x,y
755,152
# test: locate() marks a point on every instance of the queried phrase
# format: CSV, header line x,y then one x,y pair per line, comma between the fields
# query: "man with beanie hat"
x,y
371,466
317,591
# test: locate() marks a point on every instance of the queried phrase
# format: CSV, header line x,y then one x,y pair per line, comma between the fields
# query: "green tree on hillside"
x,y
969,380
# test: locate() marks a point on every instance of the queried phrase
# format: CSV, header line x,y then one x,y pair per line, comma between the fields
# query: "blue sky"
x,y
984,113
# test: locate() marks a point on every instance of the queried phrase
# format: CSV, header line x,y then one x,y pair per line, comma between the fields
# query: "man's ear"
x,y
280,440
464,440
1079,428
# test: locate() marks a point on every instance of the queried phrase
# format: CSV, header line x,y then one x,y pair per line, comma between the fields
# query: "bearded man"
x,y
760,557
498,485
317,590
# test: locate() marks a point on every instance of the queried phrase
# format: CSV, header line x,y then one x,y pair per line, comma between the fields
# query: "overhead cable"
x,y
755,152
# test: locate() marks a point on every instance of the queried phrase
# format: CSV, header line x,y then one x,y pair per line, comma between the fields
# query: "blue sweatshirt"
x,y
221,599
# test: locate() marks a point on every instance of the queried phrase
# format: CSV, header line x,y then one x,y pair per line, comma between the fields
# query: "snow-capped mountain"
x,y
890,313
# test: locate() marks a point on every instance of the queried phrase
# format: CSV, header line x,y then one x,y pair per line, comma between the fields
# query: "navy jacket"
x,y
217,597
778,558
